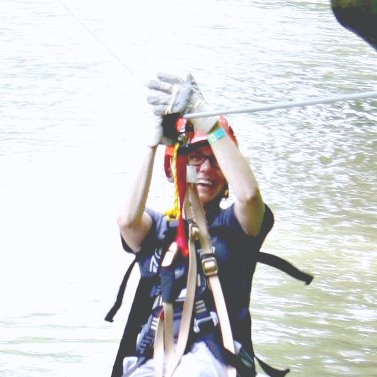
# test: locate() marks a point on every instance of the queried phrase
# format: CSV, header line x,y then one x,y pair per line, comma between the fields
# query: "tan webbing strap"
x,y
168,329
187,311
171,356
158,350
164,332
168,312
210,269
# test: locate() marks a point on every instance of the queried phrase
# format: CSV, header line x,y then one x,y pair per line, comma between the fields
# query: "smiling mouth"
x,y
204,183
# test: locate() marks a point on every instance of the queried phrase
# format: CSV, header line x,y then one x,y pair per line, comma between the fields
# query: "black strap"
x,y
272,372
285,266
242,361
214,344
110,315
140,309
236,361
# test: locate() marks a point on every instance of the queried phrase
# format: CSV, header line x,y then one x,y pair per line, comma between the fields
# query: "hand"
x,y
165,99
178,96
160,130
162,103
197,104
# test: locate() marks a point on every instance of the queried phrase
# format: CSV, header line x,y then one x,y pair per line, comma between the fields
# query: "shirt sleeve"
x,y
267,224
228,218
156,233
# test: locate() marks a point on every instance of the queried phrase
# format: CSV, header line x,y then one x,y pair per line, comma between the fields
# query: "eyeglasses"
x,y
197,158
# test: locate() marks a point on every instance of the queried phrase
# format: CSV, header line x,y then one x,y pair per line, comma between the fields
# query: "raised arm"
x,y
134,223
186,97
249,206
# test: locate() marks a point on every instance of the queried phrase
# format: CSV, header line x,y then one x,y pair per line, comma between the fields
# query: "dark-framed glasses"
x,y
197,158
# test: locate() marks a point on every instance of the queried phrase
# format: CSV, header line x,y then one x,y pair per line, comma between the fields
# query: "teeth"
x,y
204,182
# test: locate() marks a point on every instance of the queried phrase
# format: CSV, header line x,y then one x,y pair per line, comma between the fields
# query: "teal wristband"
x,y
216,135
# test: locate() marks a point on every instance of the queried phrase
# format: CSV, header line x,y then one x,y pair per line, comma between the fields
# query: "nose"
x,y
206,164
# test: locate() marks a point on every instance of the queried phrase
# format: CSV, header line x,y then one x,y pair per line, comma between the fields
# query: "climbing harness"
x,y
190,208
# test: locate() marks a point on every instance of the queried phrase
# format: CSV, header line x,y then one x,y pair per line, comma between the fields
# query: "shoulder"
x,y
159,220
157,232
226,218
227,215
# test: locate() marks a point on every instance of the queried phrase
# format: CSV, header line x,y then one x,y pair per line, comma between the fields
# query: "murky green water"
x,y
71,99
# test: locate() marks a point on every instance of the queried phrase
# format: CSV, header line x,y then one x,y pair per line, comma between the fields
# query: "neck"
x,y
212,206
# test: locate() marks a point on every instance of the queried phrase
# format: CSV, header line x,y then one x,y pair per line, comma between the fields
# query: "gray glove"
x,y
177,96
169,95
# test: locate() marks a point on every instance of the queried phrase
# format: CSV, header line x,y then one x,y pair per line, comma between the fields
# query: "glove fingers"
x,y
170,79
160,86
159,110
182,100
158,100
191,81
174,96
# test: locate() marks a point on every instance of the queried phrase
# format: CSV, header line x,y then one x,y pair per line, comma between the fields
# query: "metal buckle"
x,y
201,321
209,265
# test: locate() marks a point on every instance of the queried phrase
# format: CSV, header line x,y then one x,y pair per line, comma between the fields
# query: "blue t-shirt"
x,y
236,255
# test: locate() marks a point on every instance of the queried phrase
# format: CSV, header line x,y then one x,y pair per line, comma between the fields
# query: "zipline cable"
x,y
95,36
274,106
285,105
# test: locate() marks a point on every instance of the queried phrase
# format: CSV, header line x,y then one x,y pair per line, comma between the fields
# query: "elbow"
x,y
132,221
122,221
252,197
134,229
125,221
250,213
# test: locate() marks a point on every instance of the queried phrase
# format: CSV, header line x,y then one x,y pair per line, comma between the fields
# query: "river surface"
x,y
72,104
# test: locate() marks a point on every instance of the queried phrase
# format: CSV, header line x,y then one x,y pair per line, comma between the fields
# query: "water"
x,y
71,110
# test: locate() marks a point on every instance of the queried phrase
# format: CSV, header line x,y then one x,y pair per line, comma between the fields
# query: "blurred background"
x,y
72,119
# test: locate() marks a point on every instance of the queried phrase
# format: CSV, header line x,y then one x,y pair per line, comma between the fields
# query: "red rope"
x,y
181,174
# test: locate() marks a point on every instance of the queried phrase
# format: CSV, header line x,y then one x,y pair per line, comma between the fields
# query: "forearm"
x,y
131,215
236,169
249,206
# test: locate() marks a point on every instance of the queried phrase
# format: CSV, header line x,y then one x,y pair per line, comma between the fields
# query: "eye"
x,y
196,158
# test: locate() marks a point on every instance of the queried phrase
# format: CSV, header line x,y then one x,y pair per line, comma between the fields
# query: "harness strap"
x,y
136,318
173,356
204,319
243,370
118,303
165,347
209,265
187,311
158,349
272,372
243,362
285,266
168,329
167,278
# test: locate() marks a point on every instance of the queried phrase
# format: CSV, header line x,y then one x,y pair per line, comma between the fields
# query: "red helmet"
x,y
196,138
